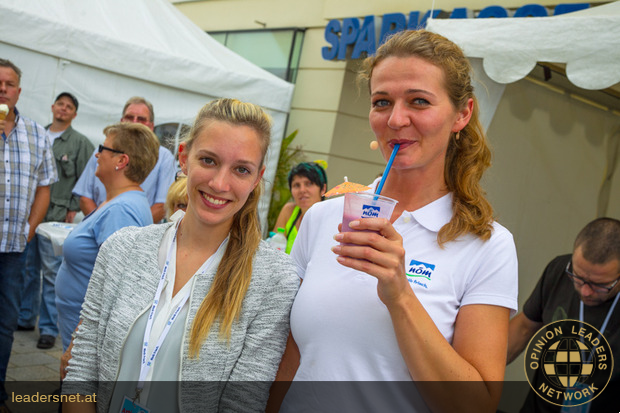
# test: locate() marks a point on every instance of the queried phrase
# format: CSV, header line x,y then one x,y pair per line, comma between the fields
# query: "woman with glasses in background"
x,y
125,159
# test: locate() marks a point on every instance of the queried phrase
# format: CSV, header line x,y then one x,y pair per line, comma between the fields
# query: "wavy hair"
x,y
468,154
224,300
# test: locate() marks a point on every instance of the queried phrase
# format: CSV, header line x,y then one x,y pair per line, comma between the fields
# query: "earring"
x,y
458,135
116,168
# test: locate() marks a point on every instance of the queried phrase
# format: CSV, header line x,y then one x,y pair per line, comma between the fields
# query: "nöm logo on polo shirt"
x,y
419,269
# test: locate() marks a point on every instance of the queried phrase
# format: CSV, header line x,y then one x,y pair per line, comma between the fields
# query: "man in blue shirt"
x,y
91,190
26,172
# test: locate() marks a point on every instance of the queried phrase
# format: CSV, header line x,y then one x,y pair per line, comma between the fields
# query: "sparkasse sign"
x,y
360,36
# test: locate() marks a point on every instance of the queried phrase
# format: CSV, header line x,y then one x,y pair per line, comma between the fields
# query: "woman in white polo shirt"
x,y
428,298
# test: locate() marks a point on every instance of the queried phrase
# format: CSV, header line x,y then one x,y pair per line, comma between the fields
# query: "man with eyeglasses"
x,y
91,190
72,151
582,286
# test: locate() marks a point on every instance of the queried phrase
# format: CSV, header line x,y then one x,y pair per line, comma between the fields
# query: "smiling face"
x,y
410,106
223,166
305,192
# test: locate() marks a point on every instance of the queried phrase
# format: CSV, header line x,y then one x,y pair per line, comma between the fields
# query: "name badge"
x,y
130,406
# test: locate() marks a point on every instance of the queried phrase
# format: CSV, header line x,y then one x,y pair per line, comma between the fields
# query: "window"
x,y
277,51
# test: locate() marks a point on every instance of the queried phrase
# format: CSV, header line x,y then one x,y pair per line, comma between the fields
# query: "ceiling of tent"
x,y
120,36
585,44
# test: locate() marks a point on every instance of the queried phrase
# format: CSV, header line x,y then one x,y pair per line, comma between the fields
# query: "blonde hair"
x,y
177,193
224,300
139,143
466,157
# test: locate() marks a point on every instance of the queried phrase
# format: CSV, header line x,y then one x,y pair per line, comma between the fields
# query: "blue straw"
x,y
387,169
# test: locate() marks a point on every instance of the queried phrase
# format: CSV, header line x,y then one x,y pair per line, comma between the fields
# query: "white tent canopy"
x,y
107,51
586,41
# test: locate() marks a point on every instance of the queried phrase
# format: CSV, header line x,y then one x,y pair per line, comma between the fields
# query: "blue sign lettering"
x,y
392,23
331,36
366,39
350,29
531,10
493,11
362,39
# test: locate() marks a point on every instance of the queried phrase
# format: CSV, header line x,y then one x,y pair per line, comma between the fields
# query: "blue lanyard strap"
x,y
145,365
607,317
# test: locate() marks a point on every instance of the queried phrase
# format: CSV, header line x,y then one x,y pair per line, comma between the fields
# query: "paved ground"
x,y
29,364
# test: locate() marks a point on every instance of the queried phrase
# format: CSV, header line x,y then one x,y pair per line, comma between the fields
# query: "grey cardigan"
x,y
122,287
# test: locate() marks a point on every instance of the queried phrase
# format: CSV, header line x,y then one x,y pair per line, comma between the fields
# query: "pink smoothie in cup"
x,y
365,205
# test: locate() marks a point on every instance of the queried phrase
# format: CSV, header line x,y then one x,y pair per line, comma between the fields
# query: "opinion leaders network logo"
x,y
568,363
370,211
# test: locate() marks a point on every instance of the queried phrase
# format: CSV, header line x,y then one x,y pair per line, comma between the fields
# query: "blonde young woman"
x,y
207,296
425,296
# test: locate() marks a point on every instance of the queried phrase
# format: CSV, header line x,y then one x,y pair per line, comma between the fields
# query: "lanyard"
x,y
145,365
585,408
607,317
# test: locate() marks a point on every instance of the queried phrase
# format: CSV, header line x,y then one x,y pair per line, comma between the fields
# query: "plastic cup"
x,y
364,205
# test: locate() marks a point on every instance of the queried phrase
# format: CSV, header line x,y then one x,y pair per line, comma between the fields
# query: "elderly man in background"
x,y
72,151
91,190
26,172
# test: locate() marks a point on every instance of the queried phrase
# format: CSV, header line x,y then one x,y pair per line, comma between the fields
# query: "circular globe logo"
x,y
568,363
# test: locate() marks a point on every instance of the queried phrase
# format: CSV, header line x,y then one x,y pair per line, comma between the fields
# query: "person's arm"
x,y
66,356
520,331
283,217
87,205
80,406
263,346
158,212
284,377
70,216
166,171
82,158
85,186
472,377
39,208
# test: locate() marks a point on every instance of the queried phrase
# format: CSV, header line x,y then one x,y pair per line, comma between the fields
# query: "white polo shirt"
x,y
344,331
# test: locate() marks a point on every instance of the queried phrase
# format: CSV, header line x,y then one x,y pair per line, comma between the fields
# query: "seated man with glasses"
x,y
92,192
582,286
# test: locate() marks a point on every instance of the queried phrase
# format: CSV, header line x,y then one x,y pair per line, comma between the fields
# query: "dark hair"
x,y
311,170
600,241
70,96
9,64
